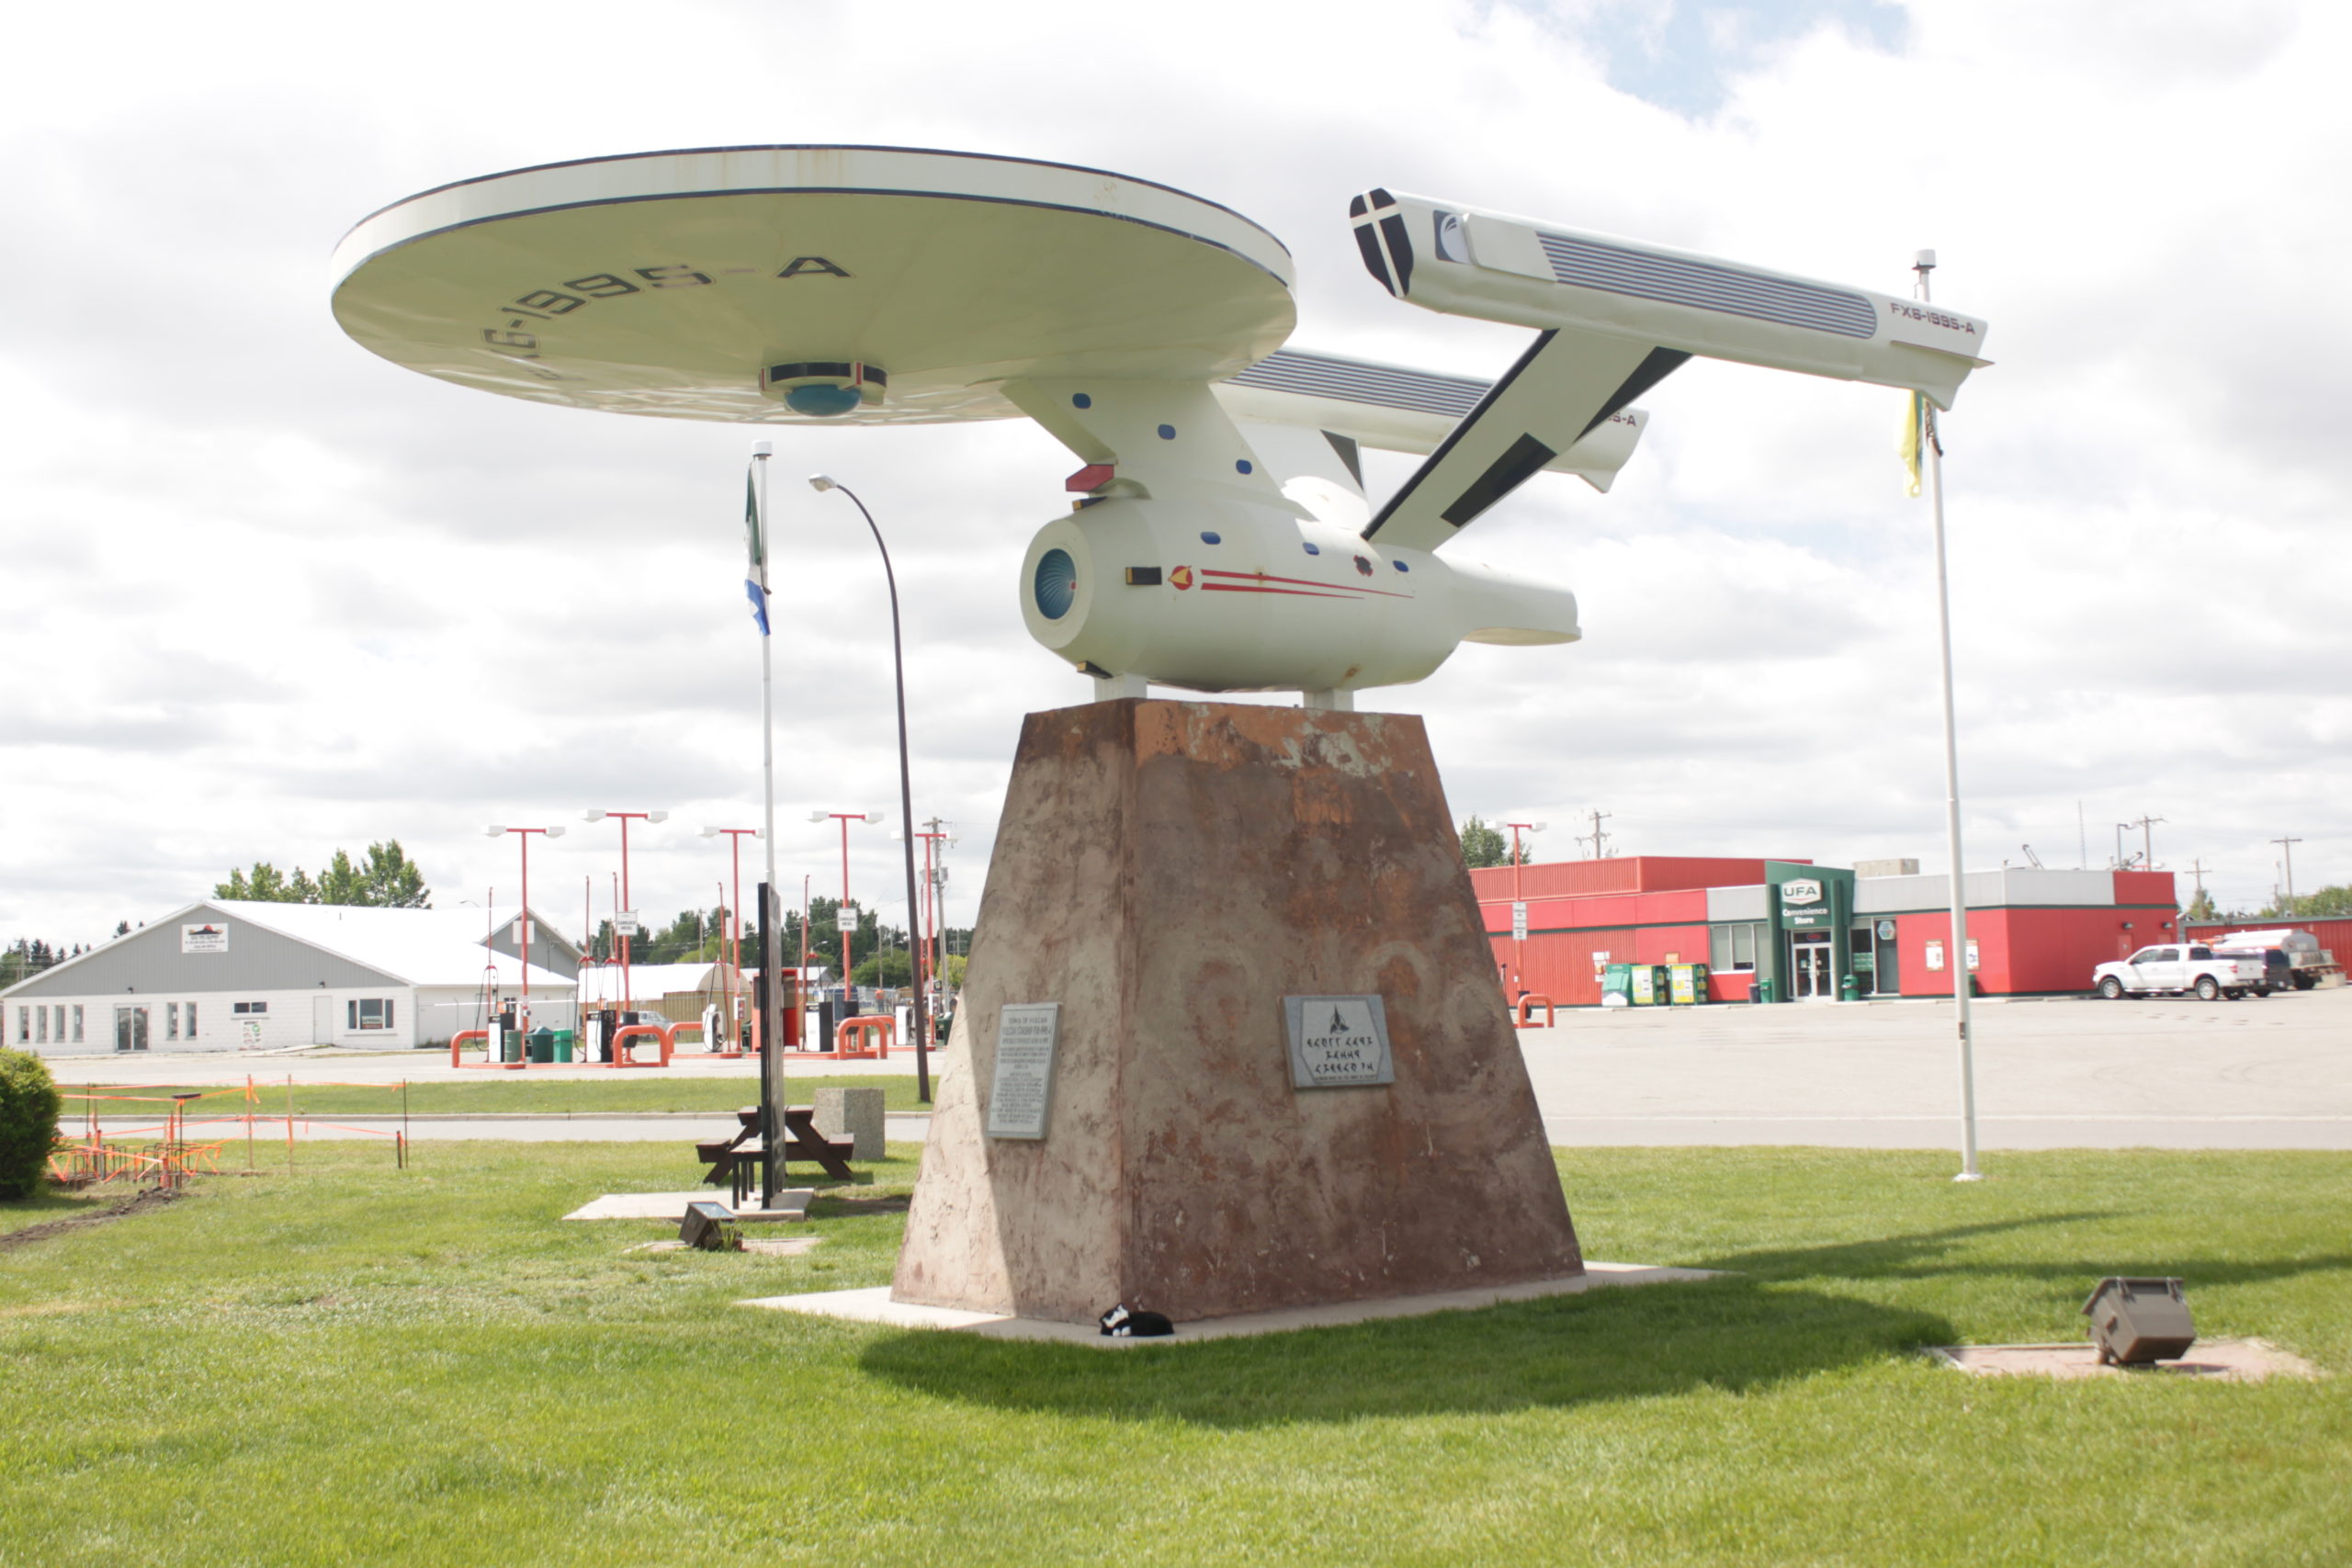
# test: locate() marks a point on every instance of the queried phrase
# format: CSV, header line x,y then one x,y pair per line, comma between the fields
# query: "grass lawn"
x,y
352,1363
501,1093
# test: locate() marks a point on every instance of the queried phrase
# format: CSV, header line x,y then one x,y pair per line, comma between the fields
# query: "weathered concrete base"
x,y
1168,873
2225,1361
853,1113
875,1306
792,1204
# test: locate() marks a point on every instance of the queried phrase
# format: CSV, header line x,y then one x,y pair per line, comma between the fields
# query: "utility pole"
x,y
1597,839
2287,847
2196,870
2147,842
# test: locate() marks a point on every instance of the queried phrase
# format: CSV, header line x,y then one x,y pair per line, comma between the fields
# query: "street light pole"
x,y
1519,906
735,930
821,482
495,830
849,984
624,819
1930,440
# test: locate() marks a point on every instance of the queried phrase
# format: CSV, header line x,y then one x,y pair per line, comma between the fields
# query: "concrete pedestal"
x,y
1168,873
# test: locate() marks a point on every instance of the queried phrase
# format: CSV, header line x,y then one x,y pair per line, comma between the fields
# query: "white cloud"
x,y
266,595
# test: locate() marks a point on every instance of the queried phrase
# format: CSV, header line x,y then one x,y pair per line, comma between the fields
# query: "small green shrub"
x,y
29,1106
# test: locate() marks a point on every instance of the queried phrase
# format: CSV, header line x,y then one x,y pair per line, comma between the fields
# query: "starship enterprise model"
x,y
1222,538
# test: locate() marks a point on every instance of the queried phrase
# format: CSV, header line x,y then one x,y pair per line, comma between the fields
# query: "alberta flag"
x,y
756,585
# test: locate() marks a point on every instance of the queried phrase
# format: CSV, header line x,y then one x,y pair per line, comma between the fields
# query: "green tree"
x,y
1483,844
2201,908
28,1106
891,967
2328,903
389,880
392,880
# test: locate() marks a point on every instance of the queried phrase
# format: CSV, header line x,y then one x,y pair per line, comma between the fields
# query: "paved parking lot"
x,y
2274,1074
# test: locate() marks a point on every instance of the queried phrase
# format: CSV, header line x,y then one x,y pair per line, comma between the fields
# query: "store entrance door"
x,y
1814,980
129,1028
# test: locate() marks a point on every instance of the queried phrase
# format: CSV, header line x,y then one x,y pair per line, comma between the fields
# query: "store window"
x,y
171,1020
191,1020
77,1023
371,1012
24,1026
1733,948
61,1023
243,1008
41,1022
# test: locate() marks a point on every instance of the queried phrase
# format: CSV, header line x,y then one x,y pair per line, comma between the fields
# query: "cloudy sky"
x,y
262,594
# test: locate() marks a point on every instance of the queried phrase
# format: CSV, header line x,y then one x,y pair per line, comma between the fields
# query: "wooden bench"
x,y
737,1160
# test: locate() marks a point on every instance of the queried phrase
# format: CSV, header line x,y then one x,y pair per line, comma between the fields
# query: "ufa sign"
x,y
1804,904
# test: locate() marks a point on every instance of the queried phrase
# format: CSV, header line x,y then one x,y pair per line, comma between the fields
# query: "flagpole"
x,y
1957,961
771,1131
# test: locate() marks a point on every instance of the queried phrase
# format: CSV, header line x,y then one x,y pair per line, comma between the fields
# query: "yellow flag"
x,y
1915,419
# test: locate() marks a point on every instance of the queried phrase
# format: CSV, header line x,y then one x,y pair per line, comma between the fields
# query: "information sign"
x,y
1023,1091
207,938
1519,919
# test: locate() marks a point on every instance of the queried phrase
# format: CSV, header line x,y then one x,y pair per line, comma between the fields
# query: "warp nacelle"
x,y
1239,598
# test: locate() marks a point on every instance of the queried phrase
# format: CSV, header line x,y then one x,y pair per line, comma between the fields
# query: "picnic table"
x,y
737,1160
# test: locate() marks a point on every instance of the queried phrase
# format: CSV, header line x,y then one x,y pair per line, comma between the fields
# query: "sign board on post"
x,y
1519,919
1337,1041
1023,1091
625,923
845,918
204,938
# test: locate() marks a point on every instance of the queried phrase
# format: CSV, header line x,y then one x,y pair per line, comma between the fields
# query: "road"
x,y
2064,1073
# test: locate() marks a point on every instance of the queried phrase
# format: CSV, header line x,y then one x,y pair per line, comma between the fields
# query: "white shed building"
x,y
224,974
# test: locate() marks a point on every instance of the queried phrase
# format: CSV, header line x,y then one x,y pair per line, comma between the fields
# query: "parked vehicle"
x,y
2155,971
2278,971
2311,963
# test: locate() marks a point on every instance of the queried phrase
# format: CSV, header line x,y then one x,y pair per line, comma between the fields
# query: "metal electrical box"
x,y
2137,1322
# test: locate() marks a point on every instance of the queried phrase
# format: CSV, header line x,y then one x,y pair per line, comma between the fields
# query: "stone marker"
x,y
1173,877
853,1113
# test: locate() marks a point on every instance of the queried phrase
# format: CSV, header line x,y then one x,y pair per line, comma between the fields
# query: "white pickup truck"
x,y
2154,970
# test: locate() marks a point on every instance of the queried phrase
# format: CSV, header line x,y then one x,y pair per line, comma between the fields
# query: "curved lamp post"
x,y
906,790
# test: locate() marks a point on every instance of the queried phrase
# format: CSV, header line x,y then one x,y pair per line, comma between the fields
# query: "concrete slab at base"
x,y
2224,1361
1167,873
792,1204
875,1306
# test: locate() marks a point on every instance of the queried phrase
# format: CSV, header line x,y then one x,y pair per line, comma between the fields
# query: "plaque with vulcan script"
x,y
1337,1041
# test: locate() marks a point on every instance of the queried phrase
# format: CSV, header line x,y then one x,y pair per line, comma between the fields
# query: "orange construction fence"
x,y
167,1153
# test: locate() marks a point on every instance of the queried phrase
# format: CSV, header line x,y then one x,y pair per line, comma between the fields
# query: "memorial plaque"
x,y
1337,1041
1023,1089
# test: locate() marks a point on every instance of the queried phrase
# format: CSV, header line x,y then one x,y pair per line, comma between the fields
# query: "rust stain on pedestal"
x,y
1168,871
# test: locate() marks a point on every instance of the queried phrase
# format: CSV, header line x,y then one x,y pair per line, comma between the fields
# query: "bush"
x,y
28,1106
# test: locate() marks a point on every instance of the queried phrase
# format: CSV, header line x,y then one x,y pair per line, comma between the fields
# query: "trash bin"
x,y
543,1044
1849,989
1764,990
510,1043
564,1040
1617,986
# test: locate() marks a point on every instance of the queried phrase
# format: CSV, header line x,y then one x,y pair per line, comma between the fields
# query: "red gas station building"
x,y
1805,927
